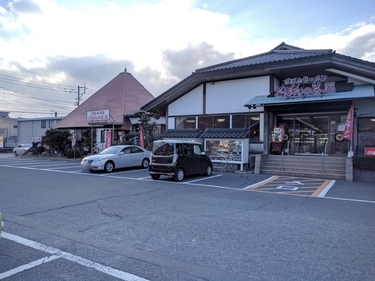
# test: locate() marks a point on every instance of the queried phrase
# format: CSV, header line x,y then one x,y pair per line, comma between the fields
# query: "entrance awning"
x,y
362,91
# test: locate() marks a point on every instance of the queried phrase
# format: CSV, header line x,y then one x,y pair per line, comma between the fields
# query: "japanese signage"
x,y
370,151
302,86
98,116
35,139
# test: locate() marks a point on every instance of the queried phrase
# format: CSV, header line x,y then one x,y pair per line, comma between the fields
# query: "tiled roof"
x,y
181,133
227,133
235,133
269,57
121,95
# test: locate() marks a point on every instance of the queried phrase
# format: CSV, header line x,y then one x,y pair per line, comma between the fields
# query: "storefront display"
x,y
232,151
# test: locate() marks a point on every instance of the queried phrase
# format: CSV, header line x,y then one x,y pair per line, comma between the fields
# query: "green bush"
x,y
70,154
364,162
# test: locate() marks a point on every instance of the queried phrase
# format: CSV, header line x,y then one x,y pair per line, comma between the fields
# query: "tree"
x,y
56,139
147,126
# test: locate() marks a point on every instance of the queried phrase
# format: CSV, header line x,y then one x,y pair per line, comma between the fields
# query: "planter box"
x,y
363,175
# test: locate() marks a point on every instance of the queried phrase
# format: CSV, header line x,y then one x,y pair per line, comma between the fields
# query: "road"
x,y
62,224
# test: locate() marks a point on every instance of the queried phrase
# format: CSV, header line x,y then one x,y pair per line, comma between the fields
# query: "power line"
x,y
17,94
37,85
30,84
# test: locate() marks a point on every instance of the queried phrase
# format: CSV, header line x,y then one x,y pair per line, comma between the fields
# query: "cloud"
x,y
179,63
160,42
25,6
357,40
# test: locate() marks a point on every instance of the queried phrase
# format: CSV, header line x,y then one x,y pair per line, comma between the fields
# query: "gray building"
x,y
32,129
8,130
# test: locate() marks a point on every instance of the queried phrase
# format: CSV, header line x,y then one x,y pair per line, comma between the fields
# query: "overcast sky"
x,y
48,47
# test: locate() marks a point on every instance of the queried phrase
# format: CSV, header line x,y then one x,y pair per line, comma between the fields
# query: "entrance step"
x,y
326,167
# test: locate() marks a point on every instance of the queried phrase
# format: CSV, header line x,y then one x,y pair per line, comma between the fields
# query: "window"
x,y
51,123
254,127
185,123
197,149
205,122
221,121
366,133
43,124
136,150
188,149
240,121
217,121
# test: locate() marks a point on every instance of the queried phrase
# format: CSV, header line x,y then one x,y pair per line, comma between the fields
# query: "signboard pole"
x,y
92,139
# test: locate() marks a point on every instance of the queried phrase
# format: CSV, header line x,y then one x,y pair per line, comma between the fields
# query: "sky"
x,y
50,49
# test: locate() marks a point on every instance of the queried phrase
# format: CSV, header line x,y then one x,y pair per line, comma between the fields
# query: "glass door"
x,y
313,134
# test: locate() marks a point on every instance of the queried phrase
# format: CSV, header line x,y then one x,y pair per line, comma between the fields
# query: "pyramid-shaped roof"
x,y
121,95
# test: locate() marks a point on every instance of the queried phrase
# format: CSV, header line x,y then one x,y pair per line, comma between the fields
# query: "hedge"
x,y
364,162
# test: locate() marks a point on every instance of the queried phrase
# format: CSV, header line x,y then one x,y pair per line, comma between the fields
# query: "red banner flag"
x,y
348,131
108,139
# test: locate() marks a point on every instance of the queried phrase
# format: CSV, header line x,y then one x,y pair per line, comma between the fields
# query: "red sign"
x,y
108,139
141,140
370,151
348,130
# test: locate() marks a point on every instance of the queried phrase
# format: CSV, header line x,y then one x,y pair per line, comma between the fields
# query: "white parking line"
x,y
70,257
24,267
201,179
326,189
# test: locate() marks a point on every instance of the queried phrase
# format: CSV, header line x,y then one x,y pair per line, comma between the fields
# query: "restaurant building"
x,y
288,101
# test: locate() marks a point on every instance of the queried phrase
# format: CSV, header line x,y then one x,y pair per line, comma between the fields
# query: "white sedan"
x,y
21,148
116,157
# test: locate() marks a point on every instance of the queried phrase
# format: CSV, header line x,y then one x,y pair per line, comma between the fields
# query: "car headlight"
x,y
99,161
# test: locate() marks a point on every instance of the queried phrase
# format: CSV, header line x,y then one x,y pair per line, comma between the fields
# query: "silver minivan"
x,y
178,158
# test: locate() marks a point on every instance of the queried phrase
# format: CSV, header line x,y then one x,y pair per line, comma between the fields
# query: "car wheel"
x,y
145,163
208,170
109,166
155,177
15,154
180,174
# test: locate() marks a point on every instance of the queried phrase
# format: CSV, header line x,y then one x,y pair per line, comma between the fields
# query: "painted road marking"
x,y
294,185
24,267
56,253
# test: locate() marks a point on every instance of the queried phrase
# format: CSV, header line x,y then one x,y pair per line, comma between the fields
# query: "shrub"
x,y
70,153
364,162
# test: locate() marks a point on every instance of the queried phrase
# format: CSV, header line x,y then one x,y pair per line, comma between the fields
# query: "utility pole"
x,y
81,90
80,94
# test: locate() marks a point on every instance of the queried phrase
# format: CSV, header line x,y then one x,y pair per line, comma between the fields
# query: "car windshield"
x,y
112,150
163,148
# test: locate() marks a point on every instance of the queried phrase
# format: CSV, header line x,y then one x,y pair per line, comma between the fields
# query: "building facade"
x,y
286,101
32,129
100,120
8,130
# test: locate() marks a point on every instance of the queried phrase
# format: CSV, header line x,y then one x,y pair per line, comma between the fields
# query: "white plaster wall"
x,y
171,123
231,96
189,104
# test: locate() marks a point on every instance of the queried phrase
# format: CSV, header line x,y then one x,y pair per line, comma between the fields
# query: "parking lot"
x,y
242,181
78,233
